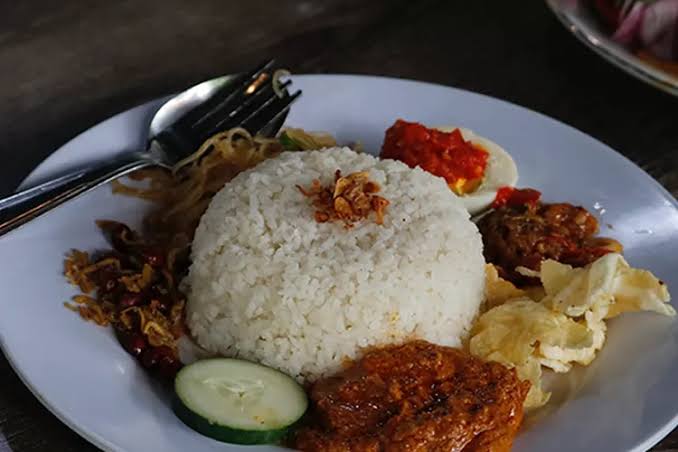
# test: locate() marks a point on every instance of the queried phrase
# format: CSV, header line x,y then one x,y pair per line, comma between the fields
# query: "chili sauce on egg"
x,y
474,167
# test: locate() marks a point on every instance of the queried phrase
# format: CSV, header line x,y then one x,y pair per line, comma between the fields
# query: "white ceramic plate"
x,y
626,400
581,21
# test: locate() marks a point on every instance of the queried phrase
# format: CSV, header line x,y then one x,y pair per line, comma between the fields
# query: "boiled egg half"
x,y
501,171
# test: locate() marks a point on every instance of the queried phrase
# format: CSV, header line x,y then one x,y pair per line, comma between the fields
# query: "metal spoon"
x,y
176,130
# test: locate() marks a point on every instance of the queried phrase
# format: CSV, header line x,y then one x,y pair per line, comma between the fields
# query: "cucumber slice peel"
x,y
238,401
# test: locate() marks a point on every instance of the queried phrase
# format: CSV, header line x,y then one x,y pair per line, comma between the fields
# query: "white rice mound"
x,y
270,284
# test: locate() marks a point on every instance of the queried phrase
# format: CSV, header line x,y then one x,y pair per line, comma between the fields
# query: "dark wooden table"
x,y
64,66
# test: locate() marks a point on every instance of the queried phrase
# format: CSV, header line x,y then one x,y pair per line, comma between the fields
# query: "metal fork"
x,y
178,128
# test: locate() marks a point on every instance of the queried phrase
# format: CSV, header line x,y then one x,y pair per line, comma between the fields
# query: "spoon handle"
x,y
26,205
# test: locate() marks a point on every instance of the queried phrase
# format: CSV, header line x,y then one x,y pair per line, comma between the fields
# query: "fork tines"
x,y
261,120
249,101
223,95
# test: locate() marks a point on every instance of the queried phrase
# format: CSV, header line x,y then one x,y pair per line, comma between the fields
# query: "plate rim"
x,y
44,167
91,437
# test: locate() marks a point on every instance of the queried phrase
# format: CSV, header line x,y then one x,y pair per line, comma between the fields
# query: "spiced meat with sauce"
x,y
415,397
523,234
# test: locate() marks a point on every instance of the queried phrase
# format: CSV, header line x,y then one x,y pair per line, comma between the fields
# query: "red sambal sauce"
x,y
511,196
445,154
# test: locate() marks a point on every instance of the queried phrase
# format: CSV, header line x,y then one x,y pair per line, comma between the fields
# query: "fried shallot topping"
x,y
349,199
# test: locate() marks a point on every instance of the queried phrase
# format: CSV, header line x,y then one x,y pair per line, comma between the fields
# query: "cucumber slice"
x,y
238,401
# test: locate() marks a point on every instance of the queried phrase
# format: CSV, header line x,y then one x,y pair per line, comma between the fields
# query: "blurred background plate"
x,y
581,20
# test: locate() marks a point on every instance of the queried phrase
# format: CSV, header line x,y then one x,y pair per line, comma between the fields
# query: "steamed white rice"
x,y
270,284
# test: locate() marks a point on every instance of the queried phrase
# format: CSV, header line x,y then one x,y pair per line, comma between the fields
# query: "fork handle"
x,y
26,205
